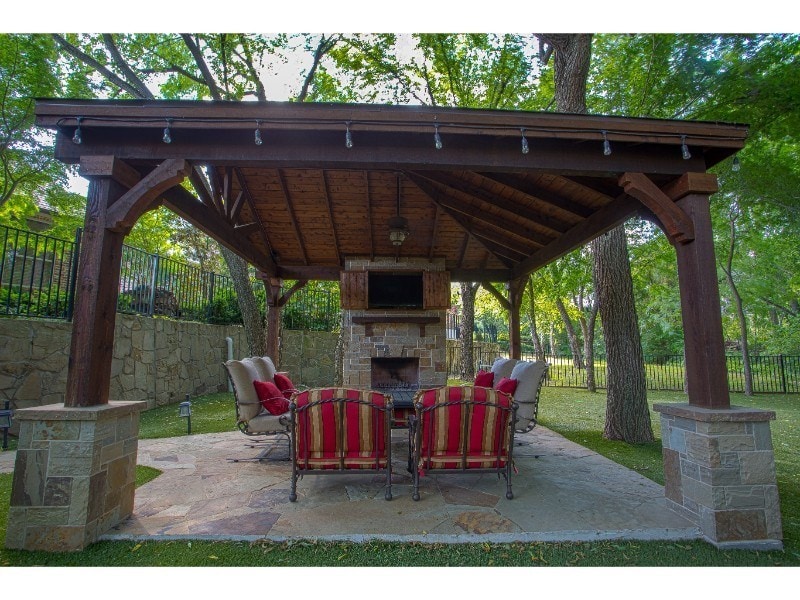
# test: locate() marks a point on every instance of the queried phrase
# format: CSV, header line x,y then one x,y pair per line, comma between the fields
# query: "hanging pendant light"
x,y
398,226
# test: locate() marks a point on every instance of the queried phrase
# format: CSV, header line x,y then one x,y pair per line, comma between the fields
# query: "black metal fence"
x,y
38,272
772,374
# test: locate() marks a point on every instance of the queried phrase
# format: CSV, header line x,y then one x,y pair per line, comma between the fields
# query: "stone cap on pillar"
x,y
732,414
59,412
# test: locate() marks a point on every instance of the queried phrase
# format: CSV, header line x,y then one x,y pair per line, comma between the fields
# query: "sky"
x,y
672,16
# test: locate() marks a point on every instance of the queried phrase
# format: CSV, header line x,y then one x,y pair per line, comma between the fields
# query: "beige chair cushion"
x,y
529,379
263,366
242,374
502,367
267,423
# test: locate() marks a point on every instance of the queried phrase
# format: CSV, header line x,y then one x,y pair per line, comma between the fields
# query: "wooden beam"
x,y
227,192
504,302
109,166
207,220
246,229
677,224
201,186
691,183
619,211
369,216
538,193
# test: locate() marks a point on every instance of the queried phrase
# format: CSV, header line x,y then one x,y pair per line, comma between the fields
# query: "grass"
x,y
576,414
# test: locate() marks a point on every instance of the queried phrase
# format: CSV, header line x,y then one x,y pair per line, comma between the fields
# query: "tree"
x,y
29,174
216,66
626,382
468,291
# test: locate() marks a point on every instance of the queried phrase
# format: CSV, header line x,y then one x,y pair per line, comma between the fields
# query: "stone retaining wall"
x,y
157,361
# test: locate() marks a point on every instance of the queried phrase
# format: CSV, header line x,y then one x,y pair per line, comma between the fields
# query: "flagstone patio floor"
x,y
562,492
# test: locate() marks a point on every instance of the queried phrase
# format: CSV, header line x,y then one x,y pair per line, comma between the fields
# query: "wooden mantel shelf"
x,y
390,319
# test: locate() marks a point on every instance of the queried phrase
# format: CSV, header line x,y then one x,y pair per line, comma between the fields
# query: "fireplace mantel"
x,y
365,320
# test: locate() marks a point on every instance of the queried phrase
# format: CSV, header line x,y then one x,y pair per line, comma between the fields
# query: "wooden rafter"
x,y
369,216
329,204
434,227
262,230
452,181
292,216
537,192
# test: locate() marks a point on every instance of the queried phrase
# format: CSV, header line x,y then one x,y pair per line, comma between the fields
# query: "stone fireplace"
x,y
396,350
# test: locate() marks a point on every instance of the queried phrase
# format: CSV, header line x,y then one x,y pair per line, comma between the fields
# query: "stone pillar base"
x,y
719,471
74,475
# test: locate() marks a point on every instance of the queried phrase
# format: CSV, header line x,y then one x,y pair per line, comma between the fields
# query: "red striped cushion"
x,y
448,430
340,434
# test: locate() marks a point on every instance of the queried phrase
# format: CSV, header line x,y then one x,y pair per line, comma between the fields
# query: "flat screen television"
x,y
394,289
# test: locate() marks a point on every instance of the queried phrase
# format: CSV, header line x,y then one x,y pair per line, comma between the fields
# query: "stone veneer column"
x,y
74,475
719,471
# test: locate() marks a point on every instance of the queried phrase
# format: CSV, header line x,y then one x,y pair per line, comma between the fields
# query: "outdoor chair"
x,y
464,429
529,377
252,418
340,430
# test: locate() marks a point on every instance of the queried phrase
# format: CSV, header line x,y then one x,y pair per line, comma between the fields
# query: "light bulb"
x,y
437,139
685,149
525,147
258,139
167,137
348,137
606,145
76,138
736,165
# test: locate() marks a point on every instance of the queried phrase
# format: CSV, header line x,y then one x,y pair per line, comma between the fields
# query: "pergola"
x,y
497,194
297,189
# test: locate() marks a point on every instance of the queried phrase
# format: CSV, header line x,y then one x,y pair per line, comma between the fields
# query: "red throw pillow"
x,y
509,386
484,379
285,385
270,397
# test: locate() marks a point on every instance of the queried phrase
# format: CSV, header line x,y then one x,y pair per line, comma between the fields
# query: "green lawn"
x,y
576,414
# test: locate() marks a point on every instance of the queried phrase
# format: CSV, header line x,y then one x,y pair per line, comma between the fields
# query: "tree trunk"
x,y
467,371
574,346
537,342
740,316
627,413
252,317
588,324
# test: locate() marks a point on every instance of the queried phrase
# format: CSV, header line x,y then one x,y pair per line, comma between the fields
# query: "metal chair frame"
x,y
415,442
300,466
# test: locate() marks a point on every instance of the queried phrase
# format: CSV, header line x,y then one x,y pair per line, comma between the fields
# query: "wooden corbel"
x,y
677,225
123,214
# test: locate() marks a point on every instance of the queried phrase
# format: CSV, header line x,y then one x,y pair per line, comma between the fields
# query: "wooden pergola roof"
x,y
297,205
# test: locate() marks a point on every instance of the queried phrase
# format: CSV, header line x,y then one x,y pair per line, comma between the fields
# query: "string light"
x,y
525,147
606,144
76,138
437,139
167,137
258,139
735,166
348,137
685,149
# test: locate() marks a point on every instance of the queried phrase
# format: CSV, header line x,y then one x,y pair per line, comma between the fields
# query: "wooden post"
x,y
92,345
706,371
